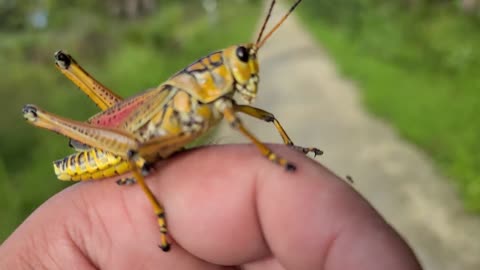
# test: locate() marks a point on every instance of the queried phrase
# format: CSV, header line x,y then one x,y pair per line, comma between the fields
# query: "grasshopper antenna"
x,y
260,41
265,22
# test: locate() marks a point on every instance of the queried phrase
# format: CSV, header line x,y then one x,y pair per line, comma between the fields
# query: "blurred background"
x,y
413,63
417,65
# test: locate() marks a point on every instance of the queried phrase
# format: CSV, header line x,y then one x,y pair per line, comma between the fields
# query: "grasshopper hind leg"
x,y
157,208
119,146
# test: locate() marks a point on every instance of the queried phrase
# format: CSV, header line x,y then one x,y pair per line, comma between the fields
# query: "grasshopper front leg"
x,y
227,108
113,141
269,117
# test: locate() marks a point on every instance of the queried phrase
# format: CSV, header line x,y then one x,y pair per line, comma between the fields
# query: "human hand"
x,y
226,206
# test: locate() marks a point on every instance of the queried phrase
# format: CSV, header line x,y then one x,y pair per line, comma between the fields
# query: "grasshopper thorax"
x,y
242,62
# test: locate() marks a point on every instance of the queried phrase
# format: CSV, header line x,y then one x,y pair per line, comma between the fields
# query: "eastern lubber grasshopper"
x,y
130,134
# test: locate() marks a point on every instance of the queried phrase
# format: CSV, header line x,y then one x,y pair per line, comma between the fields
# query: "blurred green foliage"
x,y
417,63
126,55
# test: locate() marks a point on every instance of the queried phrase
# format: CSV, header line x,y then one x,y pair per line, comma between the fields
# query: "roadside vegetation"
x,y
417,66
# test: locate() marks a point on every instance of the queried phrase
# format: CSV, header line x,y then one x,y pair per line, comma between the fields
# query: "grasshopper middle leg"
x,y
269,117
229,114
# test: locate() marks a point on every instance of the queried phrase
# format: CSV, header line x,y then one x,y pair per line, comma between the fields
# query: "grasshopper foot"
x,y
290,167
316,151
306,150
126,181
165,248
147,168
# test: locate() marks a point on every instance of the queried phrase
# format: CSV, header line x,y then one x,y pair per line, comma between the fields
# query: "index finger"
x,y
230,206
225,205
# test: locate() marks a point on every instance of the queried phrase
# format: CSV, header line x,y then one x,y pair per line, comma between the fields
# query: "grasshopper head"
x,y
242,61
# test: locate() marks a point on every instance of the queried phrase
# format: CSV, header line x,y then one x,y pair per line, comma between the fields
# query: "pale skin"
x,y
226,206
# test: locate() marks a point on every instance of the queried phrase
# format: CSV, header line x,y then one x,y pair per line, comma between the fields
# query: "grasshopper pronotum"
x,y
130,134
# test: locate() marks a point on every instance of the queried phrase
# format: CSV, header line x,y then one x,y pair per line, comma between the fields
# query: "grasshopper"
x,y
128,135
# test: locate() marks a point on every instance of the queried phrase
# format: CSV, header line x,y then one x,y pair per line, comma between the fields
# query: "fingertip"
x,y
212,203
307,215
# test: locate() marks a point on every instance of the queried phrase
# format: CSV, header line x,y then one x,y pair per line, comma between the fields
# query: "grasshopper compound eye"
x,y
242,54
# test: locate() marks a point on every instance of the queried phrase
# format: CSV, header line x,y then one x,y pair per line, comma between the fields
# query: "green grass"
x,y
419,71
126,56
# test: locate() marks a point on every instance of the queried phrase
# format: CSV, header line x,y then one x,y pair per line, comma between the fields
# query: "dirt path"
x,y
318,107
